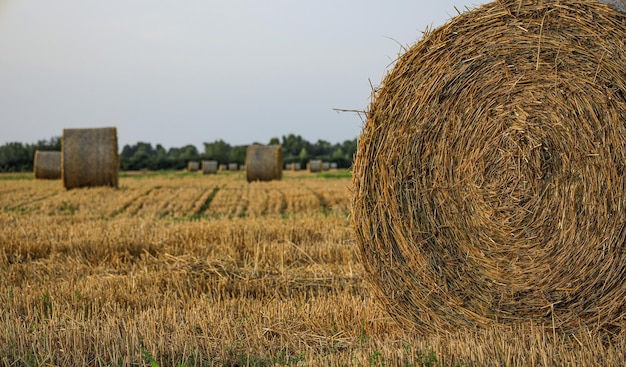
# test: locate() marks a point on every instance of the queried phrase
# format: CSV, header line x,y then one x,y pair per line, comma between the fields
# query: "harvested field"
x,y
208,270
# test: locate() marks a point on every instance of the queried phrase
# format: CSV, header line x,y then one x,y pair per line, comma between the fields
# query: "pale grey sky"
x,y
187,72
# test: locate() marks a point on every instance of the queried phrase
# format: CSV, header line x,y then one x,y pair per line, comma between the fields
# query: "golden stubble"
x,y
211,270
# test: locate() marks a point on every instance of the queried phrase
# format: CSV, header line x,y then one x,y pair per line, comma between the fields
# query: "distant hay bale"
x,y
89,157
209,167
264,162
233,167
47,165
333,165
292,166
325,166
315,165
193,166
223,167
488,185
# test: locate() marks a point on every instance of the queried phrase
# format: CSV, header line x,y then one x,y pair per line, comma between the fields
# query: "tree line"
x,y
18,157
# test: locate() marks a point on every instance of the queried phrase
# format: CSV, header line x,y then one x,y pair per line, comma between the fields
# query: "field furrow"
x,y
257,199
227,200
301,200
276,203
27,195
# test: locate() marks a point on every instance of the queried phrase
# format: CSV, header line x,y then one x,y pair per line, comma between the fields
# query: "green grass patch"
x,y
17,176
335,174
207,203
152,174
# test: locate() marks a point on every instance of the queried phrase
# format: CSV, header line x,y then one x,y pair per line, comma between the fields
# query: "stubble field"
x,y
179,269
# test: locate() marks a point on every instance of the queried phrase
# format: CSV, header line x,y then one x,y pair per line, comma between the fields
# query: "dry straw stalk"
x,y
489,178
47,165
264,162
89,157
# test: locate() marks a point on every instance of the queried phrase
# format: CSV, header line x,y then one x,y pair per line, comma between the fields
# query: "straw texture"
x,y
47,165
89,157
264,162
489,182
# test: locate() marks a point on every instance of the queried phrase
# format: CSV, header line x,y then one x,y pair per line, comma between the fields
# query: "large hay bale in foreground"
x,y
489,181
47,165
264,162
209,167
89,157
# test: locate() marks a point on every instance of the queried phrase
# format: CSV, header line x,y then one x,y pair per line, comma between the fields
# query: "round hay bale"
x,y
315,165
264,162
89,157
295,166
209,167
193,166
488,183
233,167
47,165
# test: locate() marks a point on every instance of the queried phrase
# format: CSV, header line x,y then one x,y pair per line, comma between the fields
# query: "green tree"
x,y
189,153
219,150
53,144
274,141
322,150
138,156
18,157
160,158
238,154
178,157
292,146
348,148
15,157
304,157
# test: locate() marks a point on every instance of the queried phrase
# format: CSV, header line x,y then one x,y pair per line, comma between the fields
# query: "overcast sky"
x,y
187,72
